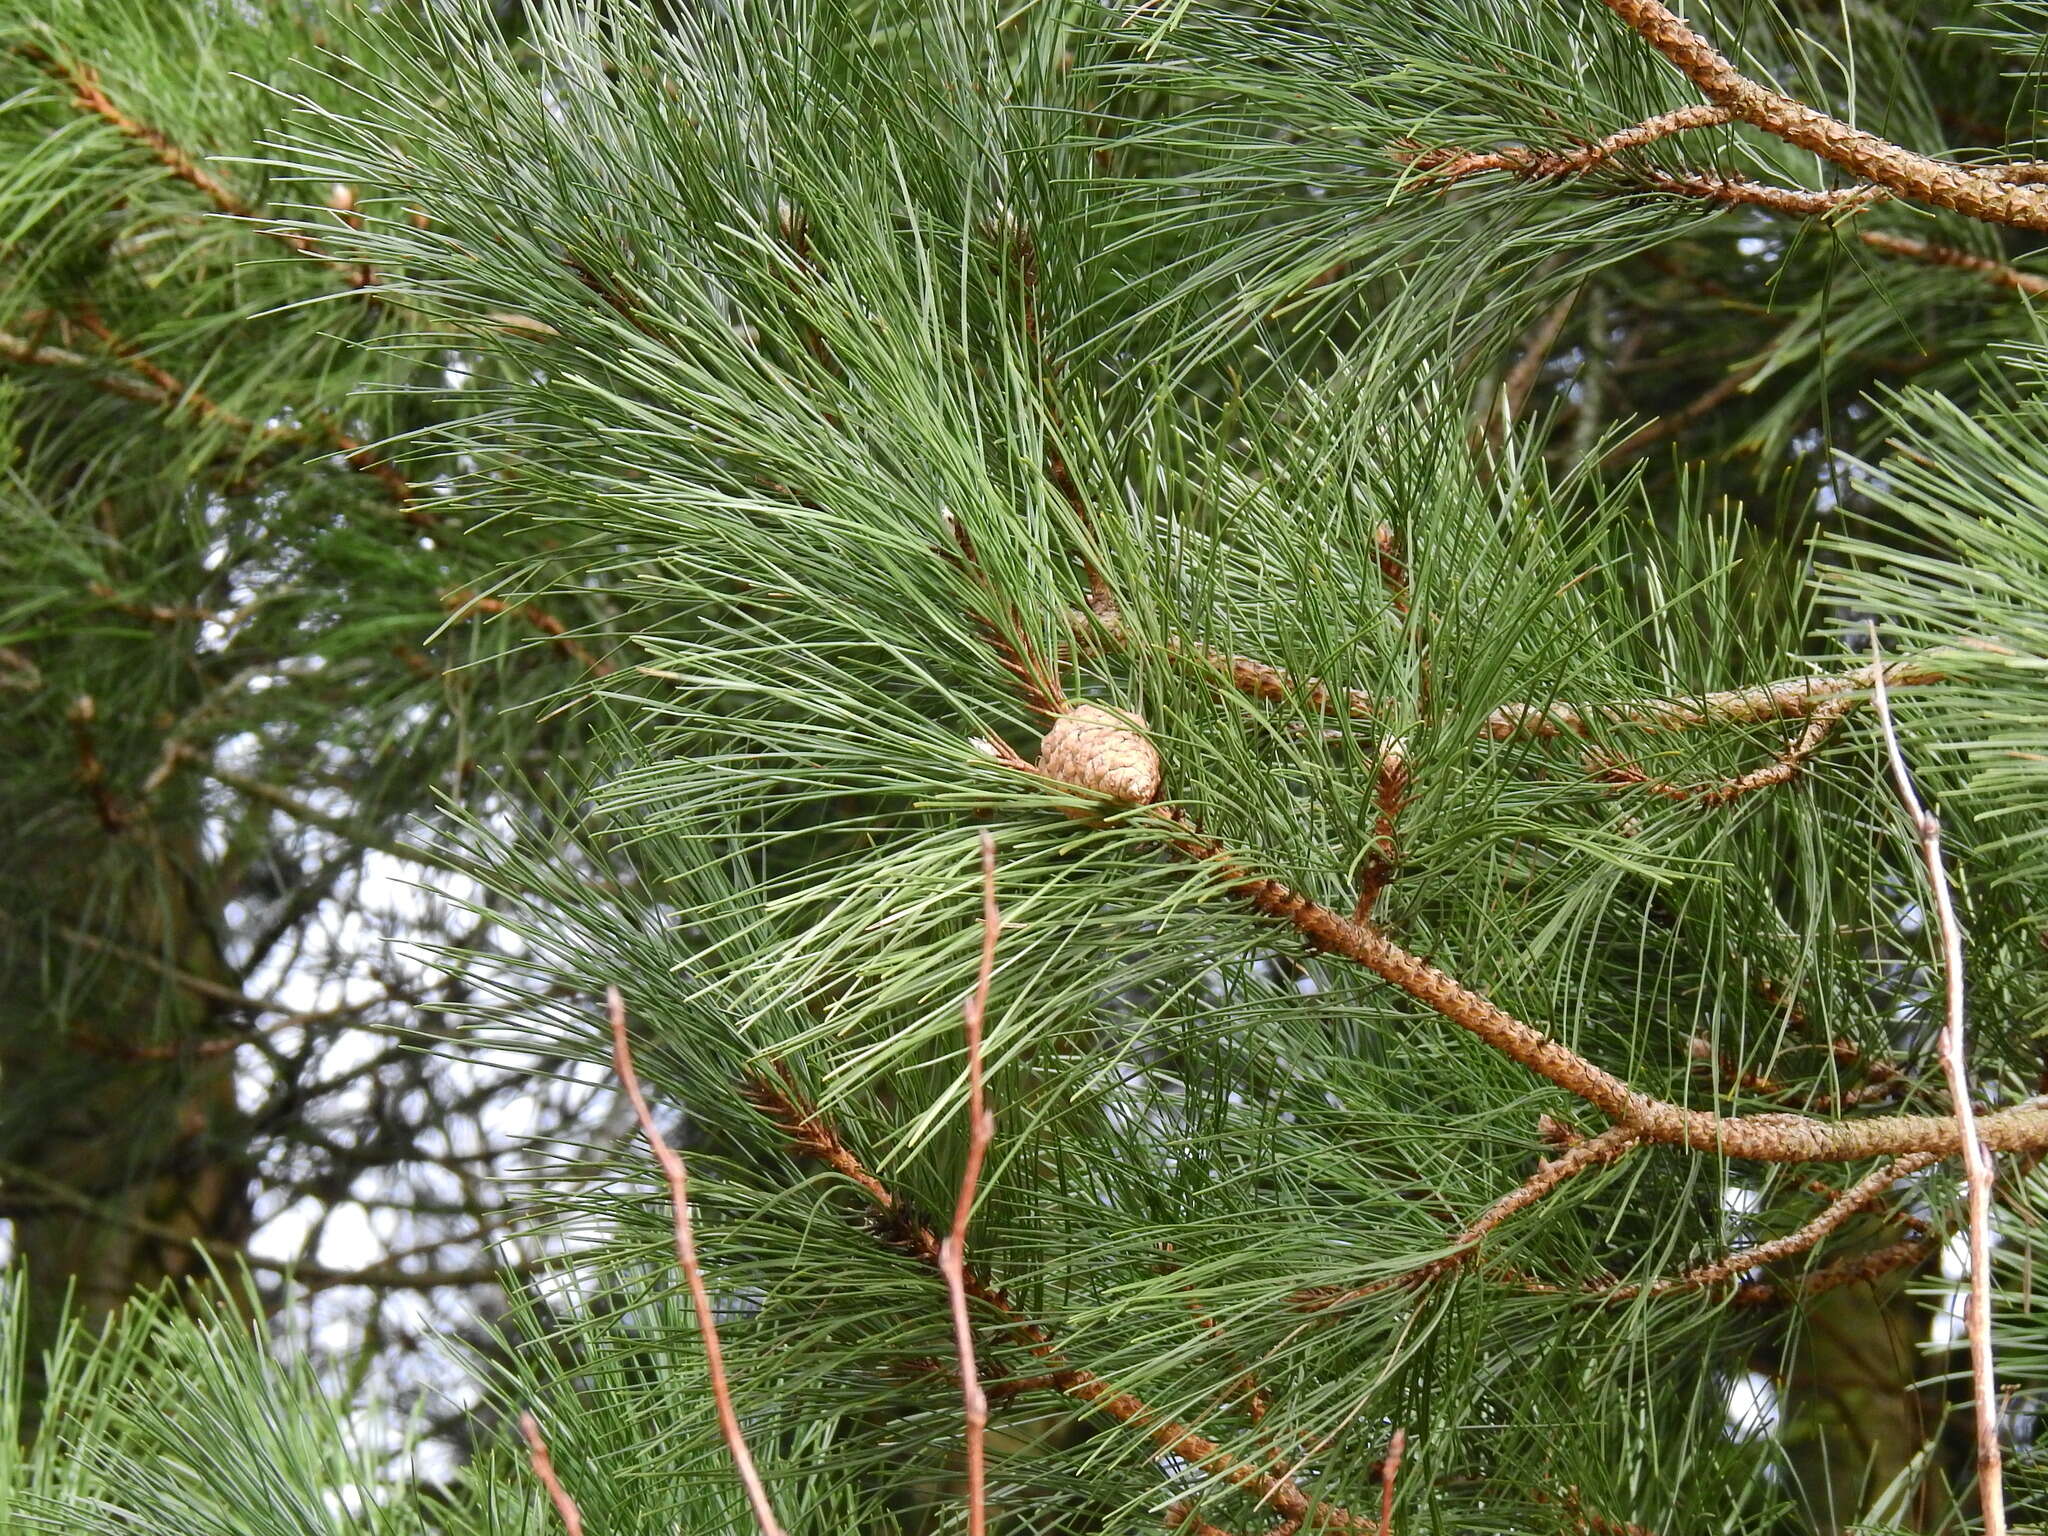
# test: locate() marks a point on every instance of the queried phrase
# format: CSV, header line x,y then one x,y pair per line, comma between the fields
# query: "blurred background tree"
x,y
502,500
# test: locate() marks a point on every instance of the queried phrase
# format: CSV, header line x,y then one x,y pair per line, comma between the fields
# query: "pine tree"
x,y
1407,639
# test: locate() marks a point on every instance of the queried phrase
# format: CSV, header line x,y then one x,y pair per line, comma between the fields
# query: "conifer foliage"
x,y
1308,738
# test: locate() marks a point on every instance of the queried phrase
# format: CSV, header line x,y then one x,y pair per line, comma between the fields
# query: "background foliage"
x,y
502,502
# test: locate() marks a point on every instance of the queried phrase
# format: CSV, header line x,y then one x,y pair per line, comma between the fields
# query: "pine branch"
x,y
812,1136
1866,1192
1820,724
1448,164
1763,1138
1885,1080
1997,273
88,95
1787,699
1597,1152
1981,194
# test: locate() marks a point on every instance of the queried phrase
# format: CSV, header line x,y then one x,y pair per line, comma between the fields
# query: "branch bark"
x,y
1980,194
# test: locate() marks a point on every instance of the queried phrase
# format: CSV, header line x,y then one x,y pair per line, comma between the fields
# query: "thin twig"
x,y
544,1469
1792,698
1388,1468
1786,767
981,1130
1449,163
1977,1169
88,95
686,1257
1595,1152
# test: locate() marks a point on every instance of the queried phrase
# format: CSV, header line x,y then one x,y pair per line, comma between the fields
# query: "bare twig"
x,y
1977,1169
1981,193
981,1124
1388,1468
544,1469
686,1257
1453,164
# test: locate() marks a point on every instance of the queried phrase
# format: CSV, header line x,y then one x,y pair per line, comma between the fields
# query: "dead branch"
x,y
544,1469
1977,1169
686,1258
981,1130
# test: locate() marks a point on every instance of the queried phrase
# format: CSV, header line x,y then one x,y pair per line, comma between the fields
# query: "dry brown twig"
x,y
1388,1468
686,1257
981,1130
544,1469
1977,1169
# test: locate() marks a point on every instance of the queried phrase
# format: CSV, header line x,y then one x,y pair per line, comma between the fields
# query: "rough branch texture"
x,y
1980,194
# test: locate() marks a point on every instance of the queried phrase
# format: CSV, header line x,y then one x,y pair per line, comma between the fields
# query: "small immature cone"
x,y
1101,750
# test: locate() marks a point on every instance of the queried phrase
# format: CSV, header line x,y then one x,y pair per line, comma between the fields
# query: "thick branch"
x,y
1778,1138
1979,193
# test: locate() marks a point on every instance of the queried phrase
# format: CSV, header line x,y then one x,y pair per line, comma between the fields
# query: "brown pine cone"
x,y
1104,751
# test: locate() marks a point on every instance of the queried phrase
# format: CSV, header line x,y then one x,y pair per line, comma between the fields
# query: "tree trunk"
x,y
122,1139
